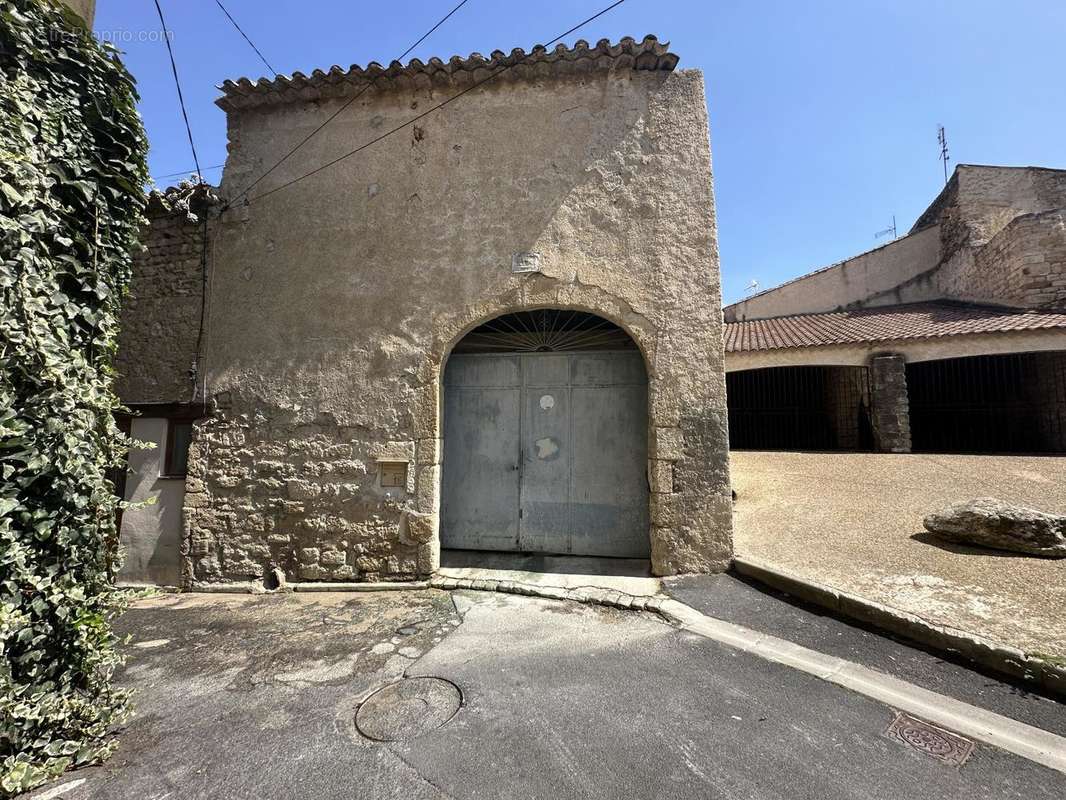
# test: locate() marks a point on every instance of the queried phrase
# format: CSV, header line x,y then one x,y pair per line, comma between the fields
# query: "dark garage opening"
x,y
799,408
1013,403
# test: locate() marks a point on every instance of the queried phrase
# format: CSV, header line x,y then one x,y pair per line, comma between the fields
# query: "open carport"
x,y
1007,403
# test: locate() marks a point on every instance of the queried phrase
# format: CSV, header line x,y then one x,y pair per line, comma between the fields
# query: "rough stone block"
x,y
403,450
420,528
664,509
424,413
311,572
429,557
429,451
427,489
332,558
661,476
300,490
666,444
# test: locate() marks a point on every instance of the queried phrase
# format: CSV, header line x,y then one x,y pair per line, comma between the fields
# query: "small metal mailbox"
x,y
393,474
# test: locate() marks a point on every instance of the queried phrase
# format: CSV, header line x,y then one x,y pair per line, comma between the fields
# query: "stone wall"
x,y
1023,265
890,414
161,315
335,304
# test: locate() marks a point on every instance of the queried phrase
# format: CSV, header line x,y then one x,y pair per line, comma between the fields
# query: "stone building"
x,y
498,327
951,338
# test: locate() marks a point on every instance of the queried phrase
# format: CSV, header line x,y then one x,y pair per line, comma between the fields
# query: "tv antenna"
x,y
942,139
751,288
887,231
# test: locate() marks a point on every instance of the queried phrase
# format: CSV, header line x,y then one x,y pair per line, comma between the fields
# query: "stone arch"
x,y
664,434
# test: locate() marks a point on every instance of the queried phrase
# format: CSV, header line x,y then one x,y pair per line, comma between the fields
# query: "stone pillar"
x,y
891,407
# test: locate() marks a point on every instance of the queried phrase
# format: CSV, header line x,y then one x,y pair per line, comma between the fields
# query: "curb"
x,y
587,596
974,722
986,652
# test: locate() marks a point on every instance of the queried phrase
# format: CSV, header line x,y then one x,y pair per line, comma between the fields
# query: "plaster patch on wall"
x,y
547,448
547,402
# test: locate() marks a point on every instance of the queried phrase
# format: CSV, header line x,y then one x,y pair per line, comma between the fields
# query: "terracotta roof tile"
x,y
883,324
628,53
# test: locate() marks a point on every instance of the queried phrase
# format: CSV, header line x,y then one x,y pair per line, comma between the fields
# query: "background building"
x,y
949,339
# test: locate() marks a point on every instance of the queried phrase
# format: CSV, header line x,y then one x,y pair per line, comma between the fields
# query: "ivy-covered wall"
x,y
72,171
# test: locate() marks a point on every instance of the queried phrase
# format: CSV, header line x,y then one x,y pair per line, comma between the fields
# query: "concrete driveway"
x,y
853,521
251,697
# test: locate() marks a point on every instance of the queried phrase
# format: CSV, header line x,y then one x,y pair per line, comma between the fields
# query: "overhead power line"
x,y
177,85
245,35
195,366
184,172
340,110
426,113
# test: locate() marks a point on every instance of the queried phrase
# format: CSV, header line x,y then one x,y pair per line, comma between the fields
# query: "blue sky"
x,y
823,112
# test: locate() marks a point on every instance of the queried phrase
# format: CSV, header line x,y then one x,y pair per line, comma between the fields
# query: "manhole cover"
x,y
407,709
411,628
929,739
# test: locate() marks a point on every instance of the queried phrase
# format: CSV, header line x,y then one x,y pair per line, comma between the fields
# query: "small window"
x,y
176,460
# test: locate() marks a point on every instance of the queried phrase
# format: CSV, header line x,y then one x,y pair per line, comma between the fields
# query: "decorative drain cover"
x,y
408,708
929,739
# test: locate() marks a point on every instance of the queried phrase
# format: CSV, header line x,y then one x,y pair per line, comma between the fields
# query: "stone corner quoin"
x,y
335,303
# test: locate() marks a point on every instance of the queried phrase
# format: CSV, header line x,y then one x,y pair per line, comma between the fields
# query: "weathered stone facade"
x,y
335,302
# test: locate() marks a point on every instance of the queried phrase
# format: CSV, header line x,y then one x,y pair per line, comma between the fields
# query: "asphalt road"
x,y
252,697
734,599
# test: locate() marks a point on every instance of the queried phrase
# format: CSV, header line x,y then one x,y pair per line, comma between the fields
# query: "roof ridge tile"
x,y
647,54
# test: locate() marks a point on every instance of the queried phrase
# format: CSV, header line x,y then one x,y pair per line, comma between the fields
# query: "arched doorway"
x,y
545,438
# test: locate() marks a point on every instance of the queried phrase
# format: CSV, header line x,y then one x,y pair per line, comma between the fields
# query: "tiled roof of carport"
x,y
628,53
884,324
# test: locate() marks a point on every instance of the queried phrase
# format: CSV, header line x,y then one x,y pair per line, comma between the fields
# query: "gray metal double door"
x,y
546,452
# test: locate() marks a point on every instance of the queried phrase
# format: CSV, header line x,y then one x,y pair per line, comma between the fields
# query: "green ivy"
x,y
72,168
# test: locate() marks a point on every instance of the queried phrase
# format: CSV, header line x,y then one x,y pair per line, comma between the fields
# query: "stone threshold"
x,y
996,656
588,595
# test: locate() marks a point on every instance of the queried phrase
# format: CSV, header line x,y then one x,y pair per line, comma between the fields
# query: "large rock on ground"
x,y
988,522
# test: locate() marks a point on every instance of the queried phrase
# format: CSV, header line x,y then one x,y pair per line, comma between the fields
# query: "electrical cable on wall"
x,y
421,116
339,111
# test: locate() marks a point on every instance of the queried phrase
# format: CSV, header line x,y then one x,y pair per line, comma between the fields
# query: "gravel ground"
x,y
853,521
